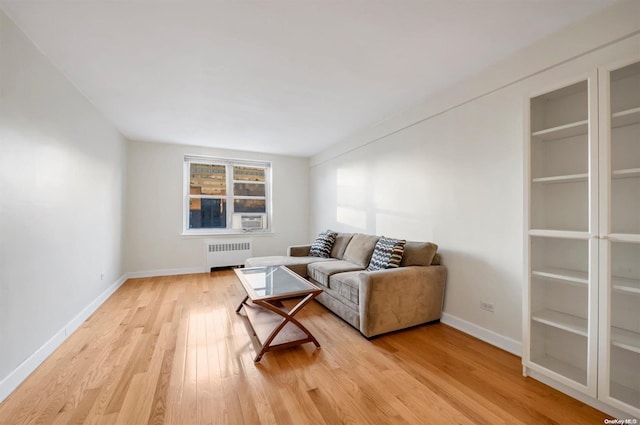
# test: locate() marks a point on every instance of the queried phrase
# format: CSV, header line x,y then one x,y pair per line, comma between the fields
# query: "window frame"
x,y
229,197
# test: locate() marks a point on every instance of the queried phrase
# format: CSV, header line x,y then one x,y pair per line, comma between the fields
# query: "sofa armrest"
x,y
299,250
399,298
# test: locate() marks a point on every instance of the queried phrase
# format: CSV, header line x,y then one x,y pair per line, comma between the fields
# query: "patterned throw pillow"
x,y
321,247
387,254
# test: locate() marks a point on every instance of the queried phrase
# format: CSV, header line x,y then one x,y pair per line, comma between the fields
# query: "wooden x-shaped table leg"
x,y
287,317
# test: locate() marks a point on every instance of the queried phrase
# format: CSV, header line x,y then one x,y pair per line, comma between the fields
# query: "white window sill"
x,y
227,233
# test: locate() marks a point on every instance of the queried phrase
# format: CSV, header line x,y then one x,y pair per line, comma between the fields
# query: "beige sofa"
x,y
374,302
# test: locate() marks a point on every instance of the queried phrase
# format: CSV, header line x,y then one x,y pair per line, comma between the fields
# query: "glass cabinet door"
x,y
562,221
619,377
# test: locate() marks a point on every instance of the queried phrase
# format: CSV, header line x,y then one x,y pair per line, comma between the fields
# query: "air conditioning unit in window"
x,y
248,221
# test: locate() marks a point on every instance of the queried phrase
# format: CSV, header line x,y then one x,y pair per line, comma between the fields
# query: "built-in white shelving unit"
x,y
562,342
619,372
582,301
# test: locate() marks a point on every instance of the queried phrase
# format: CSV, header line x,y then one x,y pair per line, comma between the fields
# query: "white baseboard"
x,y
19,374
486,335
167,272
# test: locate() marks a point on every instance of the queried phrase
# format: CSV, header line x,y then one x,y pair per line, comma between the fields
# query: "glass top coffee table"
x,y
273,324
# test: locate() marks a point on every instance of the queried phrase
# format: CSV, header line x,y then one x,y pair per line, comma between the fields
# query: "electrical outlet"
x,y
486,306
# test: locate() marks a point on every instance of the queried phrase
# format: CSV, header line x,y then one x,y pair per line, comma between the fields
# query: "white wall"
x,y
451,171
154,208
61,200
455,180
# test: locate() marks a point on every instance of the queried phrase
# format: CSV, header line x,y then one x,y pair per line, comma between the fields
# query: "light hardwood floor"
x,y
171,350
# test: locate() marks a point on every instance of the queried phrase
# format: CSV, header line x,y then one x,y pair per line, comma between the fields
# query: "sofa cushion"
x,y
321,247
347,286
360,249
297,265
418,254
342,240
387,254
321,271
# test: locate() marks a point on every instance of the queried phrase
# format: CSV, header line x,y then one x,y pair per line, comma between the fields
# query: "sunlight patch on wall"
x,y
352,217
352,196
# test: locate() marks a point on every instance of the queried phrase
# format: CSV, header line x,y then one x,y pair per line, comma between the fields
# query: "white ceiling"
x,y
284,76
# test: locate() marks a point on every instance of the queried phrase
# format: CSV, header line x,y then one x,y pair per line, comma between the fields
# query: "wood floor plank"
x,y
157,414
121,355
137,405
172,350
215,338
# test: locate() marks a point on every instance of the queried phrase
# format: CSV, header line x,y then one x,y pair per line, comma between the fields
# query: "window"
x,y
225,195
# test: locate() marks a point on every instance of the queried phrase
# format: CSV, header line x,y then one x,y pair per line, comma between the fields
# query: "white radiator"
x,y
228,252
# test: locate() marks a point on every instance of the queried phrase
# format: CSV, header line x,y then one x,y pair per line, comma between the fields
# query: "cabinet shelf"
x,y
572,276
627,173
624,237
564,234
625,339
626,117
562,179
563,368
567,322
563,131
624,394
623,284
